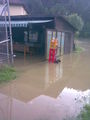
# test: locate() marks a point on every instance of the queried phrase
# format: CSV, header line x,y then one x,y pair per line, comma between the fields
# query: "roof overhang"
x,y
24,23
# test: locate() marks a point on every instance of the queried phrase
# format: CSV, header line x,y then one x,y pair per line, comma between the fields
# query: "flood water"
x,y
44,91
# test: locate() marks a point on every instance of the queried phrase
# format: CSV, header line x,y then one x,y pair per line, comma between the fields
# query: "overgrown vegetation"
x,y
76,21
62,7
85,33
84,114
7,73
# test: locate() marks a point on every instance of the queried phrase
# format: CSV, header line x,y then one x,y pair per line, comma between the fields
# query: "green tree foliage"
x,y
76,21
58,10
63,7
86,30
34,6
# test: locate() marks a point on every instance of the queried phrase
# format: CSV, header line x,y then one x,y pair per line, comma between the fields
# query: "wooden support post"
x,y
25,49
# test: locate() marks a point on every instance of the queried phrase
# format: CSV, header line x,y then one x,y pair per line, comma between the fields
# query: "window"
x,y
33,36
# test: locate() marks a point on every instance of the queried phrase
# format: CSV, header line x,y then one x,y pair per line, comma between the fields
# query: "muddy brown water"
x,y
46,91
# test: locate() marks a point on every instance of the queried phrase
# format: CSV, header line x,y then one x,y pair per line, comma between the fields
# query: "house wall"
x,y
69,34
61,25
17,10
67,43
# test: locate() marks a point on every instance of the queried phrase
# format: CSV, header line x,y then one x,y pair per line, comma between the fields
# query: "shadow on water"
x,y
42,91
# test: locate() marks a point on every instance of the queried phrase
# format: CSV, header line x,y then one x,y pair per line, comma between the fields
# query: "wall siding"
x,y
69,34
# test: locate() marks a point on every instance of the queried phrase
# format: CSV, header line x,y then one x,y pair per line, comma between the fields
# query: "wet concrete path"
x,y
34,95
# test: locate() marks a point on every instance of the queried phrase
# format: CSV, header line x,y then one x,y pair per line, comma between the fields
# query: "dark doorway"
x,y
67,45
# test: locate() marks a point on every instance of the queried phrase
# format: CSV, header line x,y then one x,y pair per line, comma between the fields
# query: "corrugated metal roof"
x,y
23,23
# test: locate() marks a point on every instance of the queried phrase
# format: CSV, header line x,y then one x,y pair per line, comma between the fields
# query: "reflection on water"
x,y
67,105
34,81
53,73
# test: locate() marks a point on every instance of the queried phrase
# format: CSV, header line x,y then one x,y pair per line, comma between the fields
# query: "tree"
x,y
76,21
86,30
34,6
57,10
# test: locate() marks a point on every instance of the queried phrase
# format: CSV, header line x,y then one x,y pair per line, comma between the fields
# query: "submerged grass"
x,y
7,73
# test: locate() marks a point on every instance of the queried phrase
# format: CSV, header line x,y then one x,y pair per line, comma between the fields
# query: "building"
x,y
16,7
33,34
36,33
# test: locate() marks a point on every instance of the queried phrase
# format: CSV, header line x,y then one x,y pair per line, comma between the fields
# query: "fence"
x,y
4,52
6,47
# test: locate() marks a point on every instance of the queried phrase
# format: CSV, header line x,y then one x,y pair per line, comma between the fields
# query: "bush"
x,y
85,114
76,21
77,34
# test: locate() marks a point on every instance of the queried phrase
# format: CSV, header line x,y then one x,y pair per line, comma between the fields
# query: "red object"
x,y
52,55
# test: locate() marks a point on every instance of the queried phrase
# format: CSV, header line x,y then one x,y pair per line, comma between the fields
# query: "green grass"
x,y
7,74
